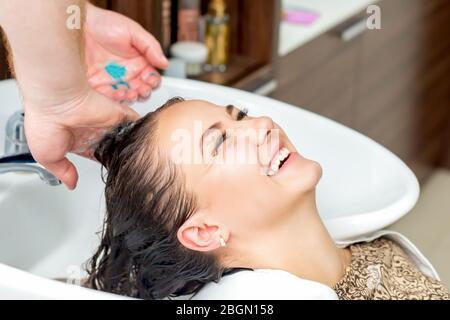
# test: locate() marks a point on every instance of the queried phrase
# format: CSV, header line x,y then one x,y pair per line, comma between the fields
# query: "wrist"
x,y
55,101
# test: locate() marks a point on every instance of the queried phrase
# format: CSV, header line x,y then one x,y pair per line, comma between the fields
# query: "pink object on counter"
x,y
299,16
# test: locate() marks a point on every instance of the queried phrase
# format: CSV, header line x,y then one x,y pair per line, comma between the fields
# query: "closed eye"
x,y
219,142
242,113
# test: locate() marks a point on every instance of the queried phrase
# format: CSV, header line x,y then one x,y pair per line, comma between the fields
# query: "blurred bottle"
x,y
194,54
166,25
188,17
217,35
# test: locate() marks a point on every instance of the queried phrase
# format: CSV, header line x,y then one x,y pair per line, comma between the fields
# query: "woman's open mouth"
x,y
278,161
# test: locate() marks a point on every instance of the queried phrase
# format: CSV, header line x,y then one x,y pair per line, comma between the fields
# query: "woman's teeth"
x,y
275,164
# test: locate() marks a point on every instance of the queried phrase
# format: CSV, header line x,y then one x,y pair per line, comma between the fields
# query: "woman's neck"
x,y
310,252
301,245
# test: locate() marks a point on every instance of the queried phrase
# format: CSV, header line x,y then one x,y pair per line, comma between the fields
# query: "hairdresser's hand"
x,y
121,46
70,125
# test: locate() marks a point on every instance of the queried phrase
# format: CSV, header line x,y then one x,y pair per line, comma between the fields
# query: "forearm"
x,y
47,55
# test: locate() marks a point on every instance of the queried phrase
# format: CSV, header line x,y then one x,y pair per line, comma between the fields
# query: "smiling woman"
x,y
171,227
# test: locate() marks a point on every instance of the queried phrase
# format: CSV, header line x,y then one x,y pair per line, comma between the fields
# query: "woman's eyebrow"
x,y
217,125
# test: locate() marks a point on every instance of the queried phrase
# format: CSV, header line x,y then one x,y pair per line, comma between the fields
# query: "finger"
x,y
135,83
133,92
150,76
145,43
144,91
131,96
130,113
65,171
119,94
89,152
154,82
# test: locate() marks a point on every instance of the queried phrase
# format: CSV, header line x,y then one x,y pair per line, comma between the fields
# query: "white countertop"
x,y
332,13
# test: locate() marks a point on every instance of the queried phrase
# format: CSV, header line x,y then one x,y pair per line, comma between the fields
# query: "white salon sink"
x,y
48,231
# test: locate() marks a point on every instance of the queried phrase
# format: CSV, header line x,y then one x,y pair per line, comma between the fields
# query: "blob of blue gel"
x,y
116,71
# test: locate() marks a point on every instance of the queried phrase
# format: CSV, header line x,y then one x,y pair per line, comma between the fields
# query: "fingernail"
x,y
155,83
149,75
145,97
147,94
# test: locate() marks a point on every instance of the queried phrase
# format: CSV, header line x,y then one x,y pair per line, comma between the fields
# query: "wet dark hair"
x,y
146,202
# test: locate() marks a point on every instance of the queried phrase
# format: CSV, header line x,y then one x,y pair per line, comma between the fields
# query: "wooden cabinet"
x,y
391,84
321,77
403,96
254,37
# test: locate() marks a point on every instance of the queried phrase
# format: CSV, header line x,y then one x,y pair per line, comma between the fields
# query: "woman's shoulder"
x,y
384,236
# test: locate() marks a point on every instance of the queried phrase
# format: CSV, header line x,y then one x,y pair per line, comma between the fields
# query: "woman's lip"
x,y
291,158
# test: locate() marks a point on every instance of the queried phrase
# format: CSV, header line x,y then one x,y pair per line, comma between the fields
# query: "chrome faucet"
x,y
17,154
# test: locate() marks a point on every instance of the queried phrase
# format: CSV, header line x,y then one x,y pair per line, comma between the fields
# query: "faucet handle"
x,y
15,139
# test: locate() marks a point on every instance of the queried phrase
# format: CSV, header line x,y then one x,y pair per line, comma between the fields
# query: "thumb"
x,y
148,46
65,171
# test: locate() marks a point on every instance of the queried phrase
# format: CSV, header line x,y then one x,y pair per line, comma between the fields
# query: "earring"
x,y
222,242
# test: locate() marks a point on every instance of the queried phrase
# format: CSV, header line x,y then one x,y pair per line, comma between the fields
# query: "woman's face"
x,y
226,158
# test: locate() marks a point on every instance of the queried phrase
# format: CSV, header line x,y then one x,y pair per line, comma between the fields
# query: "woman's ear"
x,y
199,235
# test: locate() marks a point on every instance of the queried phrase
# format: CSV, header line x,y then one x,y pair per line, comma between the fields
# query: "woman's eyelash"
x,y
242,114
